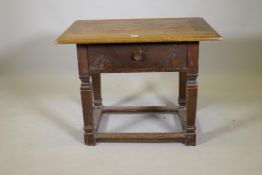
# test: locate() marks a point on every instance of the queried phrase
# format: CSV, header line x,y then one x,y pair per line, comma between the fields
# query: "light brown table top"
x,y
138,30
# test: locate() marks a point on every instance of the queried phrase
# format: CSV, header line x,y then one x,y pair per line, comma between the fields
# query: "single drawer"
x,y
157,57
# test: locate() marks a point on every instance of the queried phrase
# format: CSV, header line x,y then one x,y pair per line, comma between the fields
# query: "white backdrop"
x,y
40,109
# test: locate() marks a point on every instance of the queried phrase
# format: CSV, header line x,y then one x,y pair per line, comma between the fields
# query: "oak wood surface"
x,y
138,57
138,30
139,109
140,137
86,95
138,45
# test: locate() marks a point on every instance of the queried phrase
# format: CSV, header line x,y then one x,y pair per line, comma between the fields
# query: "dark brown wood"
x,y
139,109
82,59
157,57
87,105
140,137
182,89
138,45
86,95
191,92
96,81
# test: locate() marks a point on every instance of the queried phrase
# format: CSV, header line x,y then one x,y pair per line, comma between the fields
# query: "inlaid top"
x,y
138,30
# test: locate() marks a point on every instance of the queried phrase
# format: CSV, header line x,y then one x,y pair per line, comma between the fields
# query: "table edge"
x,y
138,40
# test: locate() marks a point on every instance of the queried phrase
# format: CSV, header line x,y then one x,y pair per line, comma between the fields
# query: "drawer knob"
x,y
137,55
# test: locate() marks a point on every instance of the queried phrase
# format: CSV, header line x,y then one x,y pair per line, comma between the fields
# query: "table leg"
x,y
86,95
191,105
191,92
182,89
87,105
96,81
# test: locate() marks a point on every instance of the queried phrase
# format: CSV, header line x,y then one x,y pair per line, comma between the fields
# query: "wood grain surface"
x,y
138,30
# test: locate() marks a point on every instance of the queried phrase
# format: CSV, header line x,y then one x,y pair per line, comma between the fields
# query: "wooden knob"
x,y
137,55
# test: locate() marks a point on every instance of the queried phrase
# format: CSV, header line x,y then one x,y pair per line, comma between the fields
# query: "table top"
x,y
138,30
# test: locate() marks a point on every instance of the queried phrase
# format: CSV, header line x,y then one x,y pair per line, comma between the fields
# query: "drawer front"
x,y
137,57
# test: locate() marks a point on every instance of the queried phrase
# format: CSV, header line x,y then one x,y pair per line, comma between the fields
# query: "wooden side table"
x,y
138,45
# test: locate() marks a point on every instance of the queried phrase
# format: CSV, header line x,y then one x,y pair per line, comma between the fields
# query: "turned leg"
x,y
96,81
182,89
86,95
191,106
87,105
191,93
